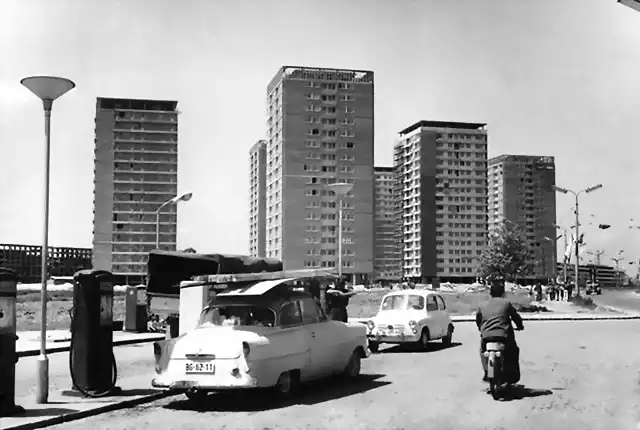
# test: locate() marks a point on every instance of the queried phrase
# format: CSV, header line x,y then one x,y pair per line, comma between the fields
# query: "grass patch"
x,y
59,303
366,304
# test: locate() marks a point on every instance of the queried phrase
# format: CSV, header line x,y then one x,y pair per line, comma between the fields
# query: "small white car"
x,y
410,316
259,336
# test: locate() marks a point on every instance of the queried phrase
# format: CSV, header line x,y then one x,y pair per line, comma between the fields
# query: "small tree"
x,y
506,254
190,251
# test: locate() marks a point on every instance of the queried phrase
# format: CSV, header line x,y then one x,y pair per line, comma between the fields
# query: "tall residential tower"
x,y
441,189
521,192
388,258
320,131
257,198
136,170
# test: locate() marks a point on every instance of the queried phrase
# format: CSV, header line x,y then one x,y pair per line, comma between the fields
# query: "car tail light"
x,y
413,326
371,325
157,353
246,349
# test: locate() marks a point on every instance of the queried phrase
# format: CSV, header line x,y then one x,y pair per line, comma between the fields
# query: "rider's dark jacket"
x,y
494,319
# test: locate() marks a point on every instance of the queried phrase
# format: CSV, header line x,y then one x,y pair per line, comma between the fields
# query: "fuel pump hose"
x,y
92,394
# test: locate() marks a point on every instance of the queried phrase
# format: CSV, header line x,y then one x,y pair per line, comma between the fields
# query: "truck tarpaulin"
x,y
166,269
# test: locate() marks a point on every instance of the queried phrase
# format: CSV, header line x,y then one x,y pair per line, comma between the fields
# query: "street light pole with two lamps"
x,y
577,236
48,89
179,198
340,189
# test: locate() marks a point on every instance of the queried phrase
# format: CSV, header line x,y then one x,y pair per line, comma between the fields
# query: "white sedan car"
x,y
260,336
410,316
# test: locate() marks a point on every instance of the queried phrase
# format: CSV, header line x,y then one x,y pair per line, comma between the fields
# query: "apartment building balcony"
x,y
144,130
143,181
141,150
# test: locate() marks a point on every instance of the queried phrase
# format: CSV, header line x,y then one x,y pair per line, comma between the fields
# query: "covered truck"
x,y
166,269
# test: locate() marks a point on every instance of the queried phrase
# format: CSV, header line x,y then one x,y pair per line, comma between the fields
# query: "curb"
x,y
36,352
74,416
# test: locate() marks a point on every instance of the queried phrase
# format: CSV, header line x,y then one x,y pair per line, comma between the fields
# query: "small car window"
x,y
290,314
309,311
394,303
442,305
237,315
431,304
416,302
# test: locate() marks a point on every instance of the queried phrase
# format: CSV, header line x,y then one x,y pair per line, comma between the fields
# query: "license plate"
x,y
199,367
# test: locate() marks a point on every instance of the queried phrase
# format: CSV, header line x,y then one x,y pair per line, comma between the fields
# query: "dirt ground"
x,y
576,376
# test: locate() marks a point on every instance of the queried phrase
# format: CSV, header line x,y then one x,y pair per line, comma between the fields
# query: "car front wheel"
x,y
423,342
287,384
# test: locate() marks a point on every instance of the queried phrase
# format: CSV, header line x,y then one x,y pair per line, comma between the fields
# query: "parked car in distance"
x,y
266,335
593,288
410,316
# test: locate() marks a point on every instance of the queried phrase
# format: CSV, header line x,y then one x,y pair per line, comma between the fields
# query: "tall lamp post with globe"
x,y
340,189
48,89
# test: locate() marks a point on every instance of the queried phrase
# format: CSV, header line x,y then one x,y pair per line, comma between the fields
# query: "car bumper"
x,y
399,338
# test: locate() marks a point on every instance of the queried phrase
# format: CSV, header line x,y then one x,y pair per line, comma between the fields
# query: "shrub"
x,y
584,302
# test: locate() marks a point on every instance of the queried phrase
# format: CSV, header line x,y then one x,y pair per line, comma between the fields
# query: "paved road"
x,y
578,376
626,299
132,360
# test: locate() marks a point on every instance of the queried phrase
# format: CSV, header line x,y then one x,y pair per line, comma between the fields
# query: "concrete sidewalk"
x,y
64,406
28,343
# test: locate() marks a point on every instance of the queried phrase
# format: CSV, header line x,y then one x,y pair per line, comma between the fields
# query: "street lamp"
x,y
577,213
180,198
48,89
340,189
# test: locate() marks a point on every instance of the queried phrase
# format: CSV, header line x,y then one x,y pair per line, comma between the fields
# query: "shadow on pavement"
x,y
45,412
433,347
73,394
262,400
519,392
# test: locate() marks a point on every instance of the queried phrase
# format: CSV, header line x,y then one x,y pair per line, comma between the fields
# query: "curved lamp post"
x,y
340,189
577,236
180,198
47,88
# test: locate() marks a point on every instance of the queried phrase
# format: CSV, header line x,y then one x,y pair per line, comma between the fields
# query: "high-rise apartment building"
x,y
521,192
441,189
257,198
387,257
136,170
320,131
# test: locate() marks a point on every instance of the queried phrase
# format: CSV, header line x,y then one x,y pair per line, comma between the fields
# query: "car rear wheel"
x,y
374,347
354,365
423,342
448,338
196,395
287,384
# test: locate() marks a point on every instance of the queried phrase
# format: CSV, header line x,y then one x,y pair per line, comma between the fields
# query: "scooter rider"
x,y
494,322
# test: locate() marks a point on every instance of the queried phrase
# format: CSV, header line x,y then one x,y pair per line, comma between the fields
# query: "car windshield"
x,y
237,315
402,302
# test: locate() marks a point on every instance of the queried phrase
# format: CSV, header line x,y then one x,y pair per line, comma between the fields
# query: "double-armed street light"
x,y
577,226
48,89
340,189
179,198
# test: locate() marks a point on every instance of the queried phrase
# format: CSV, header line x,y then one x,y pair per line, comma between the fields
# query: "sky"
x,y
549,77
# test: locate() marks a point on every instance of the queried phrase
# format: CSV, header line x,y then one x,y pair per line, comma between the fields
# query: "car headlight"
x,y
413,326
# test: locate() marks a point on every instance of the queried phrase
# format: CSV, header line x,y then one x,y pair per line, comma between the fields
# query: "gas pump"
x,y
91,361
8,338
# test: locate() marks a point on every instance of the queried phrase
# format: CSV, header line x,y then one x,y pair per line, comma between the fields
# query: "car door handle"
x,y
313,334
